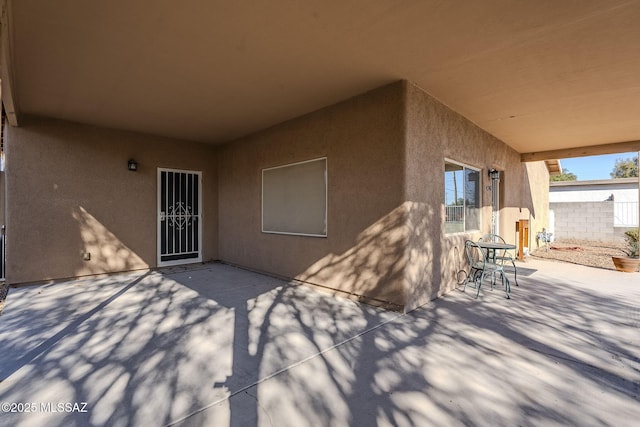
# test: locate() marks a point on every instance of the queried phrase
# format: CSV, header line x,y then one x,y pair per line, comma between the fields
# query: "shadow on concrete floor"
x,y
216,345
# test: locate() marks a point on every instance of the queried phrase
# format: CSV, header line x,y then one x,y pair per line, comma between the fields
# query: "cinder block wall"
x,y
584,220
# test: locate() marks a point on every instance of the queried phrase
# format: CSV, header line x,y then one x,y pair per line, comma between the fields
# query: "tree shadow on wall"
x,y
107,251
394,262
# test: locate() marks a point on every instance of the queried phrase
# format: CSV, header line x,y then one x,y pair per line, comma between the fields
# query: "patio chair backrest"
x,y
496,239
491,238
475,254
479,260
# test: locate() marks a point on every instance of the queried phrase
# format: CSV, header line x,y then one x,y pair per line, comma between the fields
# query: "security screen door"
x,y
179,226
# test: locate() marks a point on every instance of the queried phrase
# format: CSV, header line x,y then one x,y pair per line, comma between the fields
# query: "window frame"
x,y
465,166
326,199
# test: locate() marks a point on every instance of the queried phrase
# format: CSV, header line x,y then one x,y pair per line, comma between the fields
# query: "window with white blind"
x,y
294,198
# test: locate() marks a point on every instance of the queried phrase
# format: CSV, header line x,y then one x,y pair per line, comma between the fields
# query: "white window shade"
x,y
294,198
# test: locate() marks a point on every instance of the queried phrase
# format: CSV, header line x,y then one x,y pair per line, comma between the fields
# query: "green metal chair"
x,y
503,255
481,266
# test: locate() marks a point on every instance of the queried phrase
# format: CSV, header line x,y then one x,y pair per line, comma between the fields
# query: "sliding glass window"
x,y
462,202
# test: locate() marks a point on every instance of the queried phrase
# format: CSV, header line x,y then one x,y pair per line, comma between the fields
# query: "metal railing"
x,y
454,213
625,214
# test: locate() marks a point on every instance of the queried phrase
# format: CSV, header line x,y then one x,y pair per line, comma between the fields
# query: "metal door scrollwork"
x,y
179,225
179,216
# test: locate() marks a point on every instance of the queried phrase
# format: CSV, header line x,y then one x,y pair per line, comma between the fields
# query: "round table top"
x,y
496,245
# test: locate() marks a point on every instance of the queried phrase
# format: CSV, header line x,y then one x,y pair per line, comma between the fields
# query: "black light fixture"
x,y
132,165
494,174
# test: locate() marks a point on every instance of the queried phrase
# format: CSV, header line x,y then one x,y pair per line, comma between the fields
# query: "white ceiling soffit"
x,y
540,75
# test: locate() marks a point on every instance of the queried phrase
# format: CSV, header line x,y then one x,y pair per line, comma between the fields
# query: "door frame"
x,y
496,200
161,263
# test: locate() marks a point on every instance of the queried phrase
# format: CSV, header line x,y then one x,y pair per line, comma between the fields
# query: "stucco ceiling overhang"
x,y
540,74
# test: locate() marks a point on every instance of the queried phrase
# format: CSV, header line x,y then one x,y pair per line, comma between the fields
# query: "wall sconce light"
x,y
132,165
494,174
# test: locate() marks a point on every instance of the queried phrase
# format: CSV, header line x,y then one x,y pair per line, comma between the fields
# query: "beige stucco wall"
x,y
434,132
385,152
363,253
69,191
537,184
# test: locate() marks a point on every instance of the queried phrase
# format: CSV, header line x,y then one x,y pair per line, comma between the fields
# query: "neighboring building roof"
x,y
604,182
619,190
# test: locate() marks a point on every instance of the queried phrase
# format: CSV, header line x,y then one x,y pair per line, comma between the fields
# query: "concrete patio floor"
x,y
218,346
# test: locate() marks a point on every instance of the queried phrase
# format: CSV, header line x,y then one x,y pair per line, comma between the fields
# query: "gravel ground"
x,y
583,252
